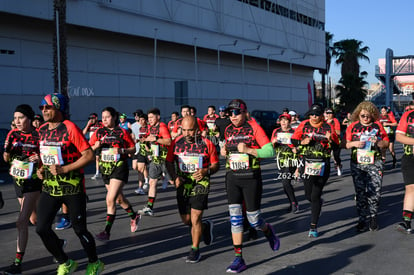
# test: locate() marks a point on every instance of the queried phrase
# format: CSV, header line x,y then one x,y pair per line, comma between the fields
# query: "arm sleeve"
x,y
266,151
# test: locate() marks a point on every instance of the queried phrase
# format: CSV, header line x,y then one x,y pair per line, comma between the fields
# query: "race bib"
x,y
387,129
314,168
190,164
239,161
155,149
21,169
109,155
365,156
210,125
284,138
51,155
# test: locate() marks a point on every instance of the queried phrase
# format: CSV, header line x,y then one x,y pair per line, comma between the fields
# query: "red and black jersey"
x,y
113,138
210,120
406,127
249,133
282,139
161,132
202,148
335,123
22,145
320,146
387,118
171,125
143,132
71,142
92,128
356,129
201,125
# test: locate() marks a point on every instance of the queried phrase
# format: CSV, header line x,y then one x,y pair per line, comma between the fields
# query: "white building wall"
x,y
117,69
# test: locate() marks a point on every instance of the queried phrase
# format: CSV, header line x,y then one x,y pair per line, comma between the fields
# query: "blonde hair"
x,y
367,106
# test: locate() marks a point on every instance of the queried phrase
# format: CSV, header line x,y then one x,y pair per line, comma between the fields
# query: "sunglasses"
x,y
91,117
365,116
45,107
329,113
235,112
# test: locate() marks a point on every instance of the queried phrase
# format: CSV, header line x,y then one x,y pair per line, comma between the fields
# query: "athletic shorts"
x,y
248,189
156,170
120,173
407,164
140,158
27,187
186,203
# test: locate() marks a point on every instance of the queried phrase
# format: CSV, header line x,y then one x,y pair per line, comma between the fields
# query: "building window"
x,y
181,92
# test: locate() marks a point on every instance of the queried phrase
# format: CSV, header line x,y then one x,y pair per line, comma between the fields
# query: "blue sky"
x,y
379,24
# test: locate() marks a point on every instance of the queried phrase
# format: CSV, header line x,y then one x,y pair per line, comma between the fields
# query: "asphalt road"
x,y
162,242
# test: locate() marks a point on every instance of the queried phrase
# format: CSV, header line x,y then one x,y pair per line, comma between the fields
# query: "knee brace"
x,y
255,220
236,218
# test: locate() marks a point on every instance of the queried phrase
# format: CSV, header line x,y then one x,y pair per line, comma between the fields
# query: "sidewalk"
x,y
162,242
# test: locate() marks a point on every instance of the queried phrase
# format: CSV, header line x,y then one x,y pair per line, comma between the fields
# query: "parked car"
x,y
3,135
266,119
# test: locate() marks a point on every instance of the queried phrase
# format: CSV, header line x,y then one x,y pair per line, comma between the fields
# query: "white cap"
x,y
292,113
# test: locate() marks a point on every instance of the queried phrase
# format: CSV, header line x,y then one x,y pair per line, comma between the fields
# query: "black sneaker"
x,y
361,226
404,228
14,268
373,225
208,236
194,256
252,234
295,208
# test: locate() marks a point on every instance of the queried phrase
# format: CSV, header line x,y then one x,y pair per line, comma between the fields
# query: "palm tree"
x,y
348,52
328,55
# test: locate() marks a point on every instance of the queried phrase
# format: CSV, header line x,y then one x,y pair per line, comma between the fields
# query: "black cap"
x,y
285,110
315,109
25,110
237,104
138,112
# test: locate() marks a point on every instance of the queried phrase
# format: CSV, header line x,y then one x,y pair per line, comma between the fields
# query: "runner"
x,y
114,144
196,159
140,158
365,137
201,124
123,123
37,121
21,150
64,152
314,137
210,119
336,149
246,143
286,159
159,139
295,121
171,123
176,131
405,135
388,121
92,125
221,123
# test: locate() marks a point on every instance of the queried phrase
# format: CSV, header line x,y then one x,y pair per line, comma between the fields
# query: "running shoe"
x,y
237,266
95,177
67,268
313,233
295,208
135,223
103,236
274,241
252,235
208,235
373,225
139,191
338,170
63,224
145,186
95,268
13,269
194,256
146,211
361,226
404,228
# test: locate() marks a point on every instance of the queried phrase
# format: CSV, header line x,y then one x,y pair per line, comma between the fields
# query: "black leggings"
x,y
313,192
287,173
46,212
